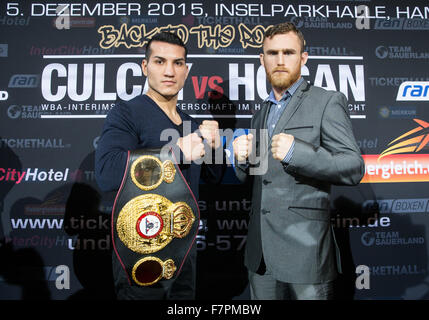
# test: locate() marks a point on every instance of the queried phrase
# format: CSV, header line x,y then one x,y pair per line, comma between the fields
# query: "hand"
x,y
210,132
280,145
192,147
242,147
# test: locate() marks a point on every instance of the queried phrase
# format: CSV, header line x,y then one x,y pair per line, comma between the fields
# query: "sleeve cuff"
x,y
289,154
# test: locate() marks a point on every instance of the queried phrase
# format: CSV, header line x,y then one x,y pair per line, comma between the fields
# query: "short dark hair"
x,y
283,28
165,37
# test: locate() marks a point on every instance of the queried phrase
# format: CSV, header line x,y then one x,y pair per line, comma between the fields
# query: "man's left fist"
x,y
210,132
280,145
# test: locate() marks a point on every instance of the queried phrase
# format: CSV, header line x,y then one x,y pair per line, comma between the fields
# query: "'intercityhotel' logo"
x,y
32,175
403,160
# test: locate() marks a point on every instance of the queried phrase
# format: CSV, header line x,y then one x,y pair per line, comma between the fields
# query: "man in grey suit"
x,y
303,139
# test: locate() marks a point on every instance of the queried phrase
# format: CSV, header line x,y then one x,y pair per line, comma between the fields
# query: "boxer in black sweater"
x,y
138,124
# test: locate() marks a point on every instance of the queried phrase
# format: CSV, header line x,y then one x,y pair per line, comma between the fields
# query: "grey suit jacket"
x,y
289,221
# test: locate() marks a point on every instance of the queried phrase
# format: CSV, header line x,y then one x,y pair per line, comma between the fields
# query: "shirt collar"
x,y
291,91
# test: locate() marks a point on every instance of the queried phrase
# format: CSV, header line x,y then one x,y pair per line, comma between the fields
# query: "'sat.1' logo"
x,y
413,91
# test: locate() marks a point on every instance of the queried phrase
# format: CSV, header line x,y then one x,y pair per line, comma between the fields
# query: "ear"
x,y
261,59
144,67
187,70
304,58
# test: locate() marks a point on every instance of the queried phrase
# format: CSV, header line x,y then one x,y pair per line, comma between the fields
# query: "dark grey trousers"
x,y
265,287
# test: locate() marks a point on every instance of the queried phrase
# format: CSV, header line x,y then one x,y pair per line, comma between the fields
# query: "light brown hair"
x,y
283,28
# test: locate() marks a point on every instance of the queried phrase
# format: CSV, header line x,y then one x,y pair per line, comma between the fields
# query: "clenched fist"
x,y
280,145
192,146
210,132
242,147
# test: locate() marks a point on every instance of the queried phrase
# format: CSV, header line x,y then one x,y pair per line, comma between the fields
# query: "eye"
x,y
158,61
179,63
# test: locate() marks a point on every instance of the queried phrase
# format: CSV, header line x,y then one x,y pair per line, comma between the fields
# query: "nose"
x,y
169,69
281,59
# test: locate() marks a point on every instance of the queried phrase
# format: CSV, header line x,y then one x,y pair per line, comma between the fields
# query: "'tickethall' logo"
x,y
412,141
413,91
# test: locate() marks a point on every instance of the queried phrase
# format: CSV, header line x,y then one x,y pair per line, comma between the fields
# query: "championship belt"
x,y
155,218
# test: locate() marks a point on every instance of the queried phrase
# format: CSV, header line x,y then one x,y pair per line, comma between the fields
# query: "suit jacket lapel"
x,y
260,122
266,106
291,108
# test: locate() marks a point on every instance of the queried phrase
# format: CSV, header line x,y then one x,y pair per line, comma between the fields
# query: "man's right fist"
x,y
242,147
192,147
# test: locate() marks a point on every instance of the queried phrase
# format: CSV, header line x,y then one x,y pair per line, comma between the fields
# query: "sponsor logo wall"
x,y
74,61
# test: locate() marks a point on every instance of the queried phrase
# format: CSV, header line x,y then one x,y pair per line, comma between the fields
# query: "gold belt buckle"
x,y
150,270
148,172
149,222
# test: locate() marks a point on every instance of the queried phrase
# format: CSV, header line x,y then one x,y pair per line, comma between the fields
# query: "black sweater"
x,y
138,124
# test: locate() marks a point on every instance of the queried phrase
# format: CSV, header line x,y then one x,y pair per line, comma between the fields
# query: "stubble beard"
x,y
167,97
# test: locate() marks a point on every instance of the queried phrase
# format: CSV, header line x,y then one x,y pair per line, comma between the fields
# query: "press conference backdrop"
x,y
63,67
